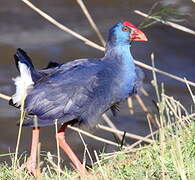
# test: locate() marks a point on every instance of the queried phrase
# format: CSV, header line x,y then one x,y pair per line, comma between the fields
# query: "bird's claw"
x,y
30,165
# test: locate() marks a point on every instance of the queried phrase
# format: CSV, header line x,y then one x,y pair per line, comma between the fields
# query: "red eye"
x,y
125,28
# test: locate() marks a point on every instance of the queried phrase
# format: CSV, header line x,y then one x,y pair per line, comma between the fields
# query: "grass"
x,y
171,156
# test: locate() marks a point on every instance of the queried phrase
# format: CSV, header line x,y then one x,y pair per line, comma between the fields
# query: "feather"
x,y
80,90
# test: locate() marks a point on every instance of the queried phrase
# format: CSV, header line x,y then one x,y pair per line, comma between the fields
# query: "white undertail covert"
x,y
22,82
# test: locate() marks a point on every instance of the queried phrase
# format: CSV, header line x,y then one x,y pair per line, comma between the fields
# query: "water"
x,y
21,27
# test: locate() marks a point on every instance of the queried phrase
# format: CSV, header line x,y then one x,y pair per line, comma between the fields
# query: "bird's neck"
x,y
119,54
119,58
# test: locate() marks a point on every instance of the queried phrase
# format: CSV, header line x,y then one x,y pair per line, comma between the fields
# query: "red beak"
x,y
136,34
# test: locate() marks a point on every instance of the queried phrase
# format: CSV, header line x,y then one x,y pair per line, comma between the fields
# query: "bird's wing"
x,y
66,91
139,79
54,67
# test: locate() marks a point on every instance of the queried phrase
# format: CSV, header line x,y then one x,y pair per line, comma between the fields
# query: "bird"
x,y
76,92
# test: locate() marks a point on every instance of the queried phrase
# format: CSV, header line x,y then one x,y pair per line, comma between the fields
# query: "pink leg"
x,y
30,165
67,149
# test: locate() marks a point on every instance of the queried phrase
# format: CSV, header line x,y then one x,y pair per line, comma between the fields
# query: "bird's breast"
x,y
124,82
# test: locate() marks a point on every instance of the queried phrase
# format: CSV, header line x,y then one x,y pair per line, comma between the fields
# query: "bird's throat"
x,y
120,55
122,63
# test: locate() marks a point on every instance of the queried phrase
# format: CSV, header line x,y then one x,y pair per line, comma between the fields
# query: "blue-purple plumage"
x,y
83,89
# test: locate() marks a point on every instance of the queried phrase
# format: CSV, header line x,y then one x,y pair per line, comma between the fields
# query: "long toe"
x,y
30,166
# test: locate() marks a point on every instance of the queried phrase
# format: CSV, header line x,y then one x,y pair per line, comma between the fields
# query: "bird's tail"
x,y
22,58
25,80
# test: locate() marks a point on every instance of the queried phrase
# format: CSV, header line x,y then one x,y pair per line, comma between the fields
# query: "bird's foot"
x,y
82,171
30,165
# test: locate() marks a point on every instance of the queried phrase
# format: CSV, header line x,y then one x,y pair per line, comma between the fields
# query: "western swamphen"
x,y
79,91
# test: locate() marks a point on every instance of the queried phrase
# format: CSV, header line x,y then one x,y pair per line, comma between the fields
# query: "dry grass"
x,y
171,154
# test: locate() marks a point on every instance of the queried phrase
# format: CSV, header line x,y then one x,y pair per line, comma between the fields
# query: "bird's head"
x,y
124,33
